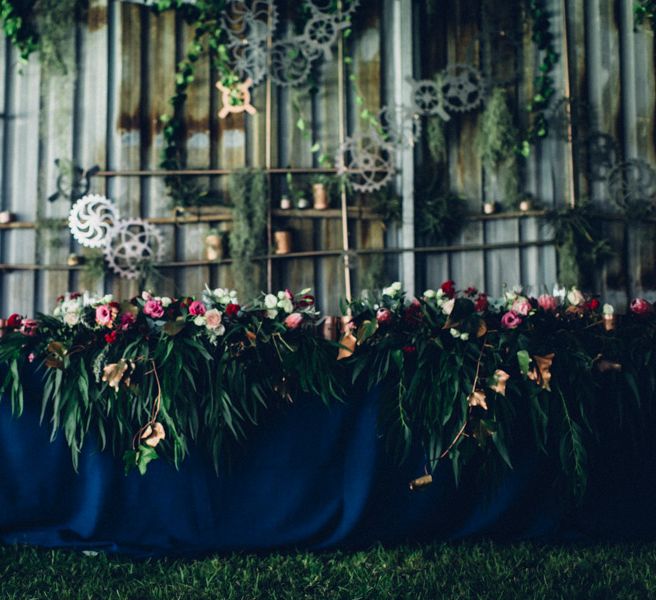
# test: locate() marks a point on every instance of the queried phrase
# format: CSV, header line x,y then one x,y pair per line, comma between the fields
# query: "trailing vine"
x,y
544,83
645,11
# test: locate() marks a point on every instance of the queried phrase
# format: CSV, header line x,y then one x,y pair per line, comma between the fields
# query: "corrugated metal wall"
x,y
105,111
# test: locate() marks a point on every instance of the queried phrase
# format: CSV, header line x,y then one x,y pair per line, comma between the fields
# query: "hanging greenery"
x,y
441,217
248,193
42,26
580,242
644,11
436,139
544,82
497,143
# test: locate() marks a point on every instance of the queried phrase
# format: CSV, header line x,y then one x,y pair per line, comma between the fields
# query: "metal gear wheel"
x,y
133,245
249,21
427,98
326,6
251,61
462,88
321,33
290,64
92,219
398,126
632,186
367,162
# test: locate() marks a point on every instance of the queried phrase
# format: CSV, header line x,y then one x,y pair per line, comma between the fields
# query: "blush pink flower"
x,y
213,319
547,302
154,309
521,306
511,320
197,308
640,306
105,315
293,321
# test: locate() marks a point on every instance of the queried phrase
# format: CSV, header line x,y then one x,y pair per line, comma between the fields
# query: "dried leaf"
x,y
155,435
113,373
56,353
541,373
499,379
607,365
482,328
174,327
348,343
421,482
477,398
251,337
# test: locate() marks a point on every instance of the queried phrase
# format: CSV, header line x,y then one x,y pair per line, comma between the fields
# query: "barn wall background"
x,y
120,73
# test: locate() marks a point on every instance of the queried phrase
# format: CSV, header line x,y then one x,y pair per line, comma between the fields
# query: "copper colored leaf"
x,y
477,398
113,373
482,328
155,435
499,380
541,373
347,343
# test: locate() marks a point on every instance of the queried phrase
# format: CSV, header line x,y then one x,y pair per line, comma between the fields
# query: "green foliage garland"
x,y
497,143
645,11
248,192
544,83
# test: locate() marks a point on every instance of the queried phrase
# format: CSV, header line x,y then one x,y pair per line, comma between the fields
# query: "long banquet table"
x,y
308,476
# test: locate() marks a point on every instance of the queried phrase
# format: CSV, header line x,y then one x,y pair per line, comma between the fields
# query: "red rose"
x,y
481,304
383,316
75,295
471,291
640,306
412,314
232,309
14,321
409,349
449,288
592,304
110,338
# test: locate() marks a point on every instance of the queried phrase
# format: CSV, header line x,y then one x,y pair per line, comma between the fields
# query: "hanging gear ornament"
x,y
599,153
92,219
321,31
399,127
236,98
632,186
461,88
251,61
427,98
290,62
367,161
133,246
249,21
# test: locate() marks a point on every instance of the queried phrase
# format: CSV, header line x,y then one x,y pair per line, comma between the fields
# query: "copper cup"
x,y
609,322
320,196
282,241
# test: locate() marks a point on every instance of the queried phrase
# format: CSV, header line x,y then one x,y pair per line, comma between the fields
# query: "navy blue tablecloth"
x,y
308,476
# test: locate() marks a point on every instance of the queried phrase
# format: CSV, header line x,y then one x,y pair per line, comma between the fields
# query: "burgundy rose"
x,y
449,288
471,291
412,314
640,306
127,320
409,349
592,304
197,308
383,316
14,321
111,337
481,304
232,310
511,320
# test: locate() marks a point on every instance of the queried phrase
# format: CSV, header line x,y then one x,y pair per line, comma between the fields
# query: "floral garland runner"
x,y
462,373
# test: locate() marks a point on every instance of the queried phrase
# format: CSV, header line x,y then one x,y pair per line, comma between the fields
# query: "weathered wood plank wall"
x,y
105,110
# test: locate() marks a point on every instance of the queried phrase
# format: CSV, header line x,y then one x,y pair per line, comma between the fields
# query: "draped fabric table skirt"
x,y
308,476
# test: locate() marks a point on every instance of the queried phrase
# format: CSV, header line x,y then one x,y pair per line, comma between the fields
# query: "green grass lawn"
x,y
464,570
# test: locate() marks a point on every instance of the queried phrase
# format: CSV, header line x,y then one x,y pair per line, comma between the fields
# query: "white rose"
x,y
464,337
146,296
397,286
287,305
429,294
575,297
608,309
559,292
454,332
270,301
199,321
166,301
447,307
272,314
72,318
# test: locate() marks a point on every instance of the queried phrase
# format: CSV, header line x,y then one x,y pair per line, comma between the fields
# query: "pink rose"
x,y
640,306
547,302
511,320
154,309
213,319
29,327
127,320
294,320
383,316
105,315
521,306
197,308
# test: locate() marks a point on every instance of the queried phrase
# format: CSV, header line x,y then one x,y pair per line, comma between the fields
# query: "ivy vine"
x,y
544,83
645,11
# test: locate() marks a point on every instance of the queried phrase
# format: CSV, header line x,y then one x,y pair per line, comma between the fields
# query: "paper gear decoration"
x,y
92,219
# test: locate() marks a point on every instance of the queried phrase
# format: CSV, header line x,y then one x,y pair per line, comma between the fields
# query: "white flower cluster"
x,y
211,320
165,301
441,300
393,290
280,302
220,296
70,307
464,336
